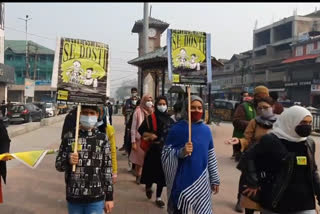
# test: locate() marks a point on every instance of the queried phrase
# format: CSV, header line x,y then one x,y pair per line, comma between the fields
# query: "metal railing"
x,y
316,121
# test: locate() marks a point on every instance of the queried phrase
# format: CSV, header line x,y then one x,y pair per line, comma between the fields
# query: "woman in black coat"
x,y
4,148
152,171
282,167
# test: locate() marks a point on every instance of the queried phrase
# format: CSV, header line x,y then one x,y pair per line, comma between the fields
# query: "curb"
x,y
14,131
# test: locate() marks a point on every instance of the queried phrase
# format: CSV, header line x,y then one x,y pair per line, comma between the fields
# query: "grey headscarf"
x,y
184,111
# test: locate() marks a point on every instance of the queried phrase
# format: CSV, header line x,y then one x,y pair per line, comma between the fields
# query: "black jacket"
x,y
286,186
92,180
4,148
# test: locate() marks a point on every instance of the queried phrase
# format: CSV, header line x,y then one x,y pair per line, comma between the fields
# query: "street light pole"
x,y
27,54
27,58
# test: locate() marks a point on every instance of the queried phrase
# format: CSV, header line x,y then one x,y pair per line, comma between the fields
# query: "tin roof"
x,y
19,47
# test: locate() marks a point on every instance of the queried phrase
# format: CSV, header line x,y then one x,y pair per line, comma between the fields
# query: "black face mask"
x,y
303,130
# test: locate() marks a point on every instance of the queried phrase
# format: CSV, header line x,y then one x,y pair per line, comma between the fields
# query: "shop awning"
x,y
299,58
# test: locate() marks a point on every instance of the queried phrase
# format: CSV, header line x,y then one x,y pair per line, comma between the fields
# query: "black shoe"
x,y
237,157
138,178
160,203
238,207
149,193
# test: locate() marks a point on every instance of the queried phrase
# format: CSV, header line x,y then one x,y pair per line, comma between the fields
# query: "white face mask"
x,y
134,102
162,108
88,121
149,104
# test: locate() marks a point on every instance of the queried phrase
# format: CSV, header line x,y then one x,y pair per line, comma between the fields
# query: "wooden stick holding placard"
x,y
77,134
189,113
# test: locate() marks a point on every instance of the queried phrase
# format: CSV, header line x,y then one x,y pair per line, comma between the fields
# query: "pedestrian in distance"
x,y
282,169
89,189
177,108
155,128
278,107
3,108
190,167
128,109
137,154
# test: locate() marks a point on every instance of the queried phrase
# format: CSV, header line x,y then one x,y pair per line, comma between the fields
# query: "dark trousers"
x,y
240,189
159,189
110,119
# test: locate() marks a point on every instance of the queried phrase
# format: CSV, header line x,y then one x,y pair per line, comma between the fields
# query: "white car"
x,y
50,109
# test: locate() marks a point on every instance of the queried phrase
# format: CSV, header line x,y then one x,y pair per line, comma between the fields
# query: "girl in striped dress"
x,y
190,167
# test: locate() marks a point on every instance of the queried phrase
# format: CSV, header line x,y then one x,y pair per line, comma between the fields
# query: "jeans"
x,y
89,208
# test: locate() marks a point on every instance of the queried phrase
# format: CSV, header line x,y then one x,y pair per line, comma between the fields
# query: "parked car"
x,y
24,113
50,109
42,106
224,109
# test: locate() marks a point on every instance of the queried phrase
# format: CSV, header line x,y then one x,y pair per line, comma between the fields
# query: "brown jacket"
x,y
253,133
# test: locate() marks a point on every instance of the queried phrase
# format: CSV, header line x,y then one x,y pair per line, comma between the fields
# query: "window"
x,y
309,48
9,57
299,50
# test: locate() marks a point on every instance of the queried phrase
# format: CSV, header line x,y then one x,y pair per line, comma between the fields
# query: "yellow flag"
x,y
31,158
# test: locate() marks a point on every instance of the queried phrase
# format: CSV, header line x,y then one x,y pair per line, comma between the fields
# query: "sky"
x,y
230,25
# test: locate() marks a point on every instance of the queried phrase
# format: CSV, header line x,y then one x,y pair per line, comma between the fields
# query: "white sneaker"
x,y
130,166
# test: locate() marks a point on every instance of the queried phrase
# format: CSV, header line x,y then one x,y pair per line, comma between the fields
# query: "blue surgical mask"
x,y
88,121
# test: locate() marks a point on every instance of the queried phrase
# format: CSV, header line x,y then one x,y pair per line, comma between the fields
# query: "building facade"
x,y
40,64
283,58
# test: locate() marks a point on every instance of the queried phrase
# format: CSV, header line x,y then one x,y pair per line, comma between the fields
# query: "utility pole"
x,y
35,63
145,27
145,41
27,60
27,47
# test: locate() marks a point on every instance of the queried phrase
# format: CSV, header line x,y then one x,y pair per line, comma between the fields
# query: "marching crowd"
x,y
272,146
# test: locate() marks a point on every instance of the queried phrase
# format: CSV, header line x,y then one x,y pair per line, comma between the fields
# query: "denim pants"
x,y
89,208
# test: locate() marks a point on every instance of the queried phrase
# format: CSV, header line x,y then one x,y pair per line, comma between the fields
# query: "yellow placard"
x,y
176,78
302,160
63,95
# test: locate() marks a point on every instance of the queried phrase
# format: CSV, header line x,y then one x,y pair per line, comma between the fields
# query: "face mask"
x,y
134,102
162,108
88,121
196,116
266,113
303,130
149,104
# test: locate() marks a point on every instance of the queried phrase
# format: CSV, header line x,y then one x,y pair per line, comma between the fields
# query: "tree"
x,y
125,89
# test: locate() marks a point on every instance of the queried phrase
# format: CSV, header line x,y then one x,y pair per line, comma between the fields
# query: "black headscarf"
x,y
163,118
